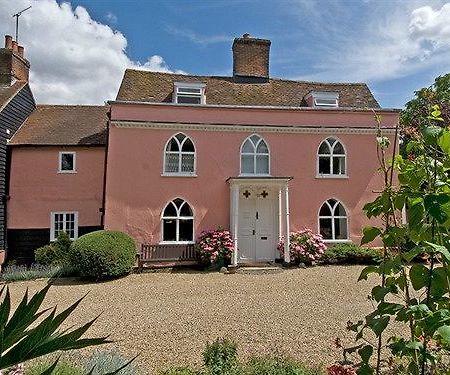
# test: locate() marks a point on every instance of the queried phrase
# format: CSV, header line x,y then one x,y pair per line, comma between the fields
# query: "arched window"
x,y
255,156
178,222
179,156
331,158
333,221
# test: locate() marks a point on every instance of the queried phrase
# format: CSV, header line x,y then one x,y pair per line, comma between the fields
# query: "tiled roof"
x,y
64,125
8,92
145,86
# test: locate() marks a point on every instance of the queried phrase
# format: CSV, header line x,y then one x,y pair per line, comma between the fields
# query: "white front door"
x,y
257,225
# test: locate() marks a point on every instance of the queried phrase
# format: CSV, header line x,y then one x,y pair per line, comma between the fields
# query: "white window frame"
x,y
318,96
178,90
180,153
53,236
177,220
331,156
254,154
61,153
333,217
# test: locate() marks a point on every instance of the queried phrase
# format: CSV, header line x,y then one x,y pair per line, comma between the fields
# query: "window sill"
x,y
337,241
254,175
67,172
176,243
333,176
178,175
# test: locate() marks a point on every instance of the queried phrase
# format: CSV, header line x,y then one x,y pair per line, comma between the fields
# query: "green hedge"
x,y
56,253
103,255
349,253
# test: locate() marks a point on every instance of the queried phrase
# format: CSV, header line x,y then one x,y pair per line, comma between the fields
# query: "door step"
x,y
257,270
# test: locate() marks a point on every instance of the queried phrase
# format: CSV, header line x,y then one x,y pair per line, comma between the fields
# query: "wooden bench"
x,y
167,255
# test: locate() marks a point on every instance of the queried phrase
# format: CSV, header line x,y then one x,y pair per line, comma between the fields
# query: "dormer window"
x,y
189,93
323,99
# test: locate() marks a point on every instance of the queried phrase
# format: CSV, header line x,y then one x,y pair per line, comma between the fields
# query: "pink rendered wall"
x,y
36,187
136,192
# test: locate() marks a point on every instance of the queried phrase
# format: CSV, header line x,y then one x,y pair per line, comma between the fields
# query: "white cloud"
x,y
74,58
396,40
111,17
197,38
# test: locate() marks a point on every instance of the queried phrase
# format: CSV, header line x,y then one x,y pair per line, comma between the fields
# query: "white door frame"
x,y
276,183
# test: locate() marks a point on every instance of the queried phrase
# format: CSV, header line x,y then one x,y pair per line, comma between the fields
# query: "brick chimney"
x,y
251,58
13,65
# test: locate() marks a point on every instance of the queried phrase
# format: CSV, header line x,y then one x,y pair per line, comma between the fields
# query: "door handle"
x,y
254,232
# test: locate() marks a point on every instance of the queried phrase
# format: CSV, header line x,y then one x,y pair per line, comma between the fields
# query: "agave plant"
x,y
21,339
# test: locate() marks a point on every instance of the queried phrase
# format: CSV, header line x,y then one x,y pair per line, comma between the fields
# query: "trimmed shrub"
x,y
103,255
56,252
350,253
220,357
105,362
62,368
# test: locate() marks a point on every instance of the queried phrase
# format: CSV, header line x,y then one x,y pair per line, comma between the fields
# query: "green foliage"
x,y
103,254
35,271
220,357
101,362
416,295
276,366
62,368
349,253
180,371
56,253
30,333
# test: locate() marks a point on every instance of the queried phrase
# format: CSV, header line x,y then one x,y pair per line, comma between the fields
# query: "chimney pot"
x,y
246,36
8,41
15,46
20,50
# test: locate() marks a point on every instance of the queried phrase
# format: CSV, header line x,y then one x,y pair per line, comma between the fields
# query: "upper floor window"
x,y
331,158
63,222
255,156
333,221
178,222
323,99
189,93
179,156
67,162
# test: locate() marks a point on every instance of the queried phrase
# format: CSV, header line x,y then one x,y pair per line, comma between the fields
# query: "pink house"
x,y
184,153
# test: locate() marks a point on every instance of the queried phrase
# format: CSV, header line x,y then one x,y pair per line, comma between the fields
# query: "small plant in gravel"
x,y
103,362
276,366
62,368
103,255
304,246
180,371
220,357
215,246
35,271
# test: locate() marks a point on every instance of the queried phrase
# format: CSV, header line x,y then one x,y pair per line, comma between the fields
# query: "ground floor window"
x,y
333,221
178,222
64,222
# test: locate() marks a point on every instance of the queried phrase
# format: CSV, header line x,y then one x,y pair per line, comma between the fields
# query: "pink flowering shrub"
x,y
215,246
341,370
304,247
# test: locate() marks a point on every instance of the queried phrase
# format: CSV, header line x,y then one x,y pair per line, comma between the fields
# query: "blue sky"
x,y
394,46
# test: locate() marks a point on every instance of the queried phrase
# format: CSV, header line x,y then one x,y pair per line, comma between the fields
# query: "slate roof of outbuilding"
x,y
156,87
63,125
8,92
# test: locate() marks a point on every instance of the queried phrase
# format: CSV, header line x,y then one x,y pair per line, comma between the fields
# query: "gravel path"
x,y
169,317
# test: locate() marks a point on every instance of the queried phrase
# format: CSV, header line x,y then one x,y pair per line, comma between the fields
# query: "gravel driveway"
x,y
168,317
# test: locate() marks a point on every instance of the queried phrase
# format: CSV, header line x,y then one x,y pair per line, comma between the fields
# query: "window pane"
x,y
255,139
186,210
325,210
189,90
188,146
338,149
172,162
324,165
338,165
262,164
339,210
262,148
247,164
172,145
170,210
186,230
340,229
325,228
169,230
187,162
189,99
67,162
324,149
248,147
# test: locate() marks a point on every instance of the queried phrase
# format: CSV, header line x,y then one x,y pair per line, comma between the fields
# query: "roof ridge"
x,y
72,105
